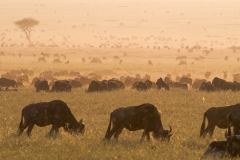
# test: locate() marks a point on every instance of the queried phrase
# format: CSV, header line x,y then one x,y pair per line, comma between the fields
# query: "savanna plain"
x,y
205,33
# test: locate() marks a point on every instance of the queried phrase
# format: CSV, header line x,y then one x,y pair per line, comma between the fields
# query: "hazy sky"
x,y
88,18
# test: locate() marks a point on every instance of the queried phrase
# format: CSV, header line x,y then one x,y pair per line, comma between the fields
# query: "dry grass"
x,y
183,110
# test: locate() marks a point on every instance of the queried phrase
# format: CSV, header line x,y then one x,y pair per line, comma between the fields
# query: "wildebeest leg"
x,y
30,127
211,130
145,133
54,130
21,129
109,134
118,132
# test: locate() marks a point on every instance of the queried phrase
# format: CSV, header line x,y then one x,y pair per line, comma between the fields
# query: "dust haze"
x,y
136,31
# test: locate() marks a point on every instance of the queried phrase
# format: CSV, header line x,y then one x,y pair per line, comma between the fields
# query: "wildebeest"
x,y
4,82
105,85
224,149
216,149
145,116
55,113
75,83
139,85
221,84
41,85
197,83
41,59
217,116
95,86
186,80
57,60
161,84
61,86
207,86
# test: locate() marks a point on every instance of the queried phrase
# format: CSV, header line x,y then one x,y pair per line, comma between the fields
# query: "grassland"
x,y
183,110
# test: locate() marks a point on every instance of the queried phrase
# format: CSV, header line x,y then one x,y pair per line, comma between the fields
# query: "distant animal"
x,y
139,85
75,84
96,60
145,116
221,84
197,83
56,113
208,74
150,62
96,86
4,82
186,80
207,86
217,116
161,84
57,60
216,149
61,86
224,149
182,63
41,59
41,85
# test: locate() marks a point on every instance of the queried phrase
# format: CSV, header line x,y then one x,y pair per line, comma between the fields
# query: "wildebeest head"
x,y
77,128
161,134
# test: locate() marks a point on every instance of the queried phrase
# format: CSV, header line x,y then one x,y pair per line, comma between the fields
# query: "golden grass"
x,y
183,110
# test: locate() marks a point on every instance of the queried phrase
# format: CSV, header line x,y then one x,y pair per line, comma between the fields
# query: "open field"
x,y
125,35
183,110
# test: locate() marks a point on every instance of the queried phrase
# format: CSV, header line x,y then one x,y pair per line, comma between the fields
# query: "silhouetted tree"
x,y
26,25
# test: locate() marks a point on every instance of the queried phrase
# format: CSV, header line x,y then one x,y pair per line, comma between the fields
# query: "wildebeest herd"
x,y
145,116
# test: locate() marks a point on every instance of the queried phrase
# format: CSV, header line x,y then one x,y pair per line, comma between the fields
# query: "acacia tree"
x,y
26,25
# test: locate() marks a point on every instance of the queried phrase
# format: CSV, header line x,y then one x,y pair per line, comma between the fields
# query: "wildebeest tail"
x,y
203,124
109,128
21,125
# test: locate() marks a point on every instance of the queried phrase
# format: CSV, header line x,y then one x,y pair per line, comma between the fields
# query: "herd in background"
x,y
64,81
223,117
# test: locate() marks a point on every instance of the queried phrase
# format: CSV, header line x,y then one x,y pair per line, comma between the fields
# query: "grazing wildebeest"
x,y
55,113
114,84
41,85
197,83
224,149
95,86
207,86
4,82
145,116
221,84
217,116
139,85
61,86
161,84
216,149
75,83
186,80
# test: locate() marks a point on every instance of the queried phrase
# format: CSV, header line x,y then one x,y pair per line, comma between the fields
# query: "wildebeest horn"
x,y
170,129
